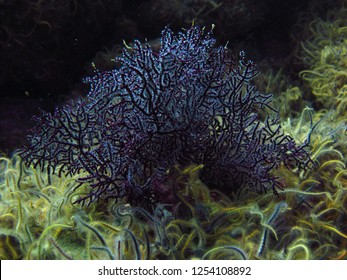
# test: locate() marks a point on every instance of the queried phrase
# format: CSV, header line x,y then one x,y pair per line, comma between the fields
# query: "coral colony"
x,y
189,103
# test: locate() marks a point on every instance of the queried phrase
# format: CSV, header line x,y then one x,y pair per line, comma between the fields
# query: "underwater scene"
x,y
173,130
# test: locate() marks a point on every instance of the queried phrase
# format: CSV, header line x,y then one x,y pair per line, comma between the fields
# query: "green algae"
x,y
304,222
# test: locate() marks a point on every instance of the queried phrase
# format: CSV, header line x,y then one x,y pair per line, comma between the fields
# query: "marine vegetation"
x,y
39,220
189,103
324,54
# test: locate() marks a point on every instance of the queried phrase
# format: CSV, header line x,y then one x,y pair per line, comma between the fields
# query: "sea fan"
x,y
188,103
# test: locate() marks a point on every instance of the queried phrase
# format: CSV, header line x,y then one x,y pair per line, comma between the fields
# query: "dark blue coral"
x,y
191,102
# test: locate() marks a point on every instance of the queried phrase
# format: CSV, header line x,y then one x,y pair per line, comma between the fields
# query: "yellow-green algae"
x,y
39,221
325,54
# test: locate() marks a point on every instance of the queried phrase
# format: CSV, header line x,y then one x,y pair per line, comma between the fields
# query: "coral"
x,y
190,103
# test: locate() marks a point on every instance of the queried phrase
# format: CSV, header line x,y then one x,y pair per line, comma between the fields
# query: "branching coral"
x,y
190,103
